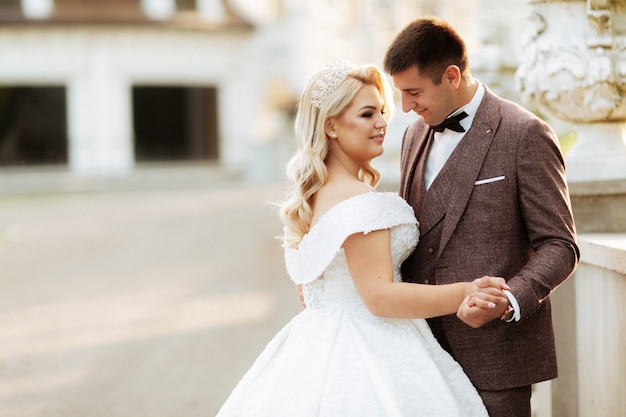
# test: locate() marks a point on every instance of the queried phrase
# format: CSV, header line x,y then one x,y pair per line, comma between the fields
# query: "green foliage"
x,y
567,139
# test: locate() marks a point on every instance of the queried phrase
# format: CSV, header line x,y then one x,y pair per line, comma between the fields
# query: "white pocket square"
x,y
488,180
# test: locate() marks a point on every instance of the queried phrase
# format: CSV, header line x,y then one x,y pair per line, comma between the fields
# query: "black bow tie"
x,y
451,123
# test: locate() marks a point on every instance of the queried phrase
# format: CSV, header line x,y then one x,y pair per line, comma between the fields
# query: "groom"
x,y
489,191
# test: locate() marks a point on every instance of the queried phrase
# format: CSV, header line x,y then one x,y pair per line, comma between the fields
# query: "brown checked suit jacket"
x,y
500,207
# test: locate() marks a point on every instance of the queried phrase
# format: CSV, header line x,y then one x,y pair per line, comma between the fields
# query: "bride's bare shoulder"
x,y
334,193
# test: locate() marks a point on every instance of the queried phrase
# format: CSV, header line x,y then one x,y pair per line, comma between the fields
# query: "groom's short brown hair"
x,y
431,45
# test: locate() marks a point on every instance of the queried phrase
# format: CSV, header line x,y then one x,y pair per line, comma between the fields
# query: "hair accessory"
x,y
336,73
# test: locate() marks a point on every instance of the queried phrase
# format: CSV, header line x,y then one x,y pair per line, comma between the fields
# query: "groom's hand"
x,y
486,292
485,302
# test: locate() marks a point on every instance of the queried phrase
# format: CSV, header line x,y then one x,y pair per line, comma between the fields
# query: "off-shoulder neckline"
x,y
334,208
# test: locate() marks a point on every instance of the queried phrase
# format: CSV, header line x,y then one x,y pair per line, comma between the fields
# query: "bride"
x,y
360,347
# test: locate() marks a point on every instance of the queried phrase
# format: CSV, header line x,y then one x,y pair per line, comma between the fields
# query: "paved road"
x,y
128,304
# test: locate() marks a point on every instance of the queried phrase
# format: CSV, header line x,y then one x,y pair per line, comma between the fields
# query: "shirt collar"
x,y
472,107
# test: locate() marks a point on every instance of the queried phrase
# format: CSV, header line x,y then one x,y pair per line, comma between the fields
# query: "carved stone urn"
x,y
573,68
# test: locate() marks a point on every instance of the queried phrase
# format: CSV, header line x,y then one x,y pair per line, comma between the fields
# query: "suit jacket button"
x,y
426,281
431,250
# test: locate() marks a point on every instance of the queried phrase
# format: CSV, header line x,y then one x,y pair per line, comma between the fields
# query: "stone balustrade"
x,y
590,326
600,285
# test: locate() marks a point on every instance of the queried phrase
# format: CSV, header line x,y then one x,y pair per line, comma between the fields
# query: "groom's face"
x,y
421,95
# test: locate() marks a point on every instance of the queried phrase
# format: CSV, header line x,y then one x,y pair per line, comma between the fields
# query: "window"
x,y
175,123
33,127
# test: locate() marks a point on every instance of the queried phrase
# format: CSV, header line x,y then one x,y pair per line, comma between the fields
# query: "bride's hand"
x,y
484,302
486,292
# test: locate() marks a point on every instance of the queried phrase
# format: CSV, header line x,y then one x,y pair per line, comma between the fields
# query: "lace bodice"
x,y
320,265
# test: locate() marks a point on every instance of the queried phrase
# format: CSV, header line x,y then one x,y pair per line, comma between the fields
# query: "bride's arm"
x,y
369,260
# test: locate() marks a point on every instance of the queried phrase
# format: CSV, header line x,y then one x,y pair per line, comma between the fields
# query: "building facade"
x,y
103,88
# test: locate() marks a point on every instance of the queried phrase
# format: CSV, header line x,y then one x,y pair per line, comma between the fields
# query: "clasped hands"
x,y
484,301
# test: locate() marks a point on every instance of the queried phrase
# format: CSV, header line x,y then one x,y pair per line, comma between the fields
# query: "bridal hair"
x,y
306,169
333,76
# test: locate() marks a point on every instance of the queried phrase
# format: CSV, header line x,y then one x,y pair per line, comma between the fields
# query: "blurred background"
x,y
108,88
141,145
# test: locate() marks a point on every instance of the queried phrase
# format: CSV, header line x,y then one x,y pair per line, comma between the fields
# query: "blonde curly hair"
x,y
306,169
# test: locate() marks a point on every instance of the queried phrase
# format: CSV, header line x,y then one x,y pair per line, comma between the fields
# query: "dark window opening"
x,y
10,10
175,123
184,5
33,126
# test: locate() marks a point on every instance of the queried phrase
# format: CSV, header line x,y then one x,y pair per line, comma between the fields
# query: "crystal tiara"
x,y
336,72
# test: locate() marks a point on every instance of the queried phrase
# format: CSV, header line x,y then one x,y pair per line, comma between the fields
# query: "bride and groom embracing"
x,y
434,302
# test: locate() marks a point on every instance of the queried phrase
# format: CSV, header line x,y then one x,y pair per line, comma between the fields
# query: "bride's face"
x,y
360,131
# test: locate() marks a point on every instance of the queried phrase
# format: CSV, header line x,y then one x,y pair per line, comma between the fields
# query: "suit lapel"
x,y
414,162
450,191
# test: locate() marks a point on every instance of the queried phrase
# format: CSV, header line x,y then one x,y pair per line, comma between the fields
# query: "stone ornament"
x,y
573,68
577,77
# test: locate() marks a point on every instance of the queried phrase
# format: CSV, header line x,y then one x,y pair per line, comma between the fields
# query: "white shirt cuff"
x,y
517,315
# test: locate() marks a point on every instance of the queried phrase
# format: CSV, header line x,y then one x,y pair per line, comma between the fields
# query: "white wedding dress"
x,y
335,358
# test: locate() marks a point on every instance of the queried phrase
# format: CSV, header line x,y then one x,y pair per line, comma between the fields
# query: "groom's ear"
x,y
451,76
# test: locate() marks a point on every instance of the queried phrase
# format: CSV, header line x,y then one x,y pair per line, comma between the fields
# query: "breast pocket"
x,y
490,180
492,205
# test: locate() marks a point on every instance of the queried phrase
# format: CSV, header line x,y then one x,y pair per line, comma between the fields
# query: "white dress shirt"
x,y
445,142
